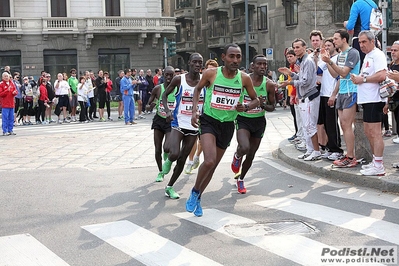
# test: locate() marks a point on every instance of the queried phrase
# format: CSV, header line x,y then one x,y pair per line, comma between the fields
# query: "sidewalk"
x,y
388,183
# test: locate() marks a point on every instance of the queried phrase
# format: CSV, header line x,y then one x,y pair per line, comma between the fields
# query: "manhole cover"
x,y
270,228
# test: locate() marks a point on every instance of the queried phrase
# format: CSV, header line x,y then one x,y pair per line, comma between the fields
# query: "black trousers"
x,y
292,108
329,118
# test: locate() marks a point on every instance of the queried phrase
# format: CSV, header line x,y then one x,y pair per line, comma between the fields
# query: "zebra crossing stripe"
x,y
319,182
25,250
358,223
367,196
146,246
297,248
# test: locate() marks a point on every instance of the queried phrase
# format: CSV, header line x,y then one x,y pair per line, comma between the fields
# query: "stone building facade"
x,y
206,26
57,35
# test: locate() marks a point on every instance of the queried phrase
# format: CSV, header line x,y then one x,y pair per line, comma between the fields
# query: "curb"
x,y
288,154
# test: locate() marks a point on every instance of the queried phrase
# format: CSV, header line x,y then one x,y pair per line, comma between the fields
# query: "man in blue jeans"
x,y
127,86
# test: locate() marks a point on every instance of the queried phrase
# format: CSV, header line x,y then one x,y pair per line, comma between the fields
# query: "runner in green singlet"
x,y
161,127
251,125
223,100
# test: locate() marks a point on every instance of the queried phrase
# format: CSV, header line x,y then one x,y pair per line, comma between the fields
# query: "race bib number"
x,y
186,105
257,109
224,98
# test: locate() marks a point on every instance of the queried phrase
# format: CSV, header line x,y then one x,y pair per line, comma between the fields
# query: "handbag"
x,y
388,87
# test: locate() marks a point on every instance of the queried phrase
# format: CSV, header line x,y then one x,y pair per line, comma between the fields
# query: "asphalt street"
x,y
84,194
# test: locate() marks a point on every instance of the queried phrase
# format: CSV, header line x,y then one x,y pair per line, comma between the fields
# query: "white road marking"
x,y
319,181
297,248
368,196
146,246
25,250
358,223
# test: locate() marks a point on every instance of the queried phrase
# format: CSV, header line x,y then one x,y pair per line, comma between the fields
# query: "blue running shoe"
x,y
191,202
198,211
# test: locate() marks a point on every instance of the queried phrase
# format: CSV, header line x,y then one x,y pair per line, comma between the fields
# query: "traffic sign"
x,y
269,53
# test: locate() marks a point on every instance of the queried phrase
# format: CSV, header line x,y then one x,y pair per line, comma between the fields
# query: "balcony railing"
x,y
10,24
60,24
86,25
238,25
217,5
219,41
185,46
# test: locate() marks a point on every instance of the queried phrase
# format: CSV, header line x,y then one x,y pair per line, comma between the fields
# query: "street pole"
x,y
384,6
246,36
165,54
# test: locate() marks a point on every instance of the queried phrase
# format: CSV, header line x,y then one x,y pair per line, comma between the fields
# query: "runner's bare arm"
x,y
173,84
207,78
154,95
247,84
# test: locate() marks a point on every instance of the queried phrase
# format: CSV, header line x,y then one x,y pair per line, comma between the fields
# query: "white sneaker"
x,y
335,156
301,146
314,156
367,166
377,171
326,154
303,156
188,168
396,140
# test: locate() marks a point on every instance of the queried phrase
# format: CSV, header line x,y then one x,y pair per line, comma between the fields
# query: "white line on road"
x,y
320,181
358,223
146,246
297,248
368,196
25,250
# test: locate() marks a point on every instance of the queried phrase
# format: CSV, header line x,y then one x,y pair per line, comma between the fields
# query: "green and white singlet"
x,y
222,97
258,111
171,102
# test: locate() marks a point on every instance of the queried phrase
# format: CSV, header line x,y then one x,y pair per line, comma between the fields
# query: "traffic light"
x,y
389,14
171,48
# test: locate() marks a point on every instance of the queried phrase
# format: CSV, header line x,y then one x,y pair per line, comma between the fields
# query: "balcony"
x,y
130,25
185,46
218,41
20,26
184,10
239,38
237,2
220,5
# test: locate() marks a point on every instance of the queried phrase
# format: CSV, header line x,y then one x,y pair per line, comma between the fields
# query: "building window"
x,y
12,59
183,3
112,8
58,8
113,60
59,61
341,9
178,33
262,18
5,8
198,30
198,3
291,12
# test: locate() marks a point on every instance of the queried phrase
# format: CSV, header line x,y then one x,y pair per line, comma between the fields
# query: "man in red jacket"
x,y
7,93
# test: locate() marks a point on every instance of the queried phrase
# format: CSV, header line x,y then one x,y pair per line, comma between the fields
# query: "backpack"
x,y
376,20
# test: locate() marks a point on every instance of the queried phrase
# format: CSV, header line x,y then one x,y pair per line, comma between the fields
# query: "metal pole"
x,y
165,52
384,6
246,36
315,14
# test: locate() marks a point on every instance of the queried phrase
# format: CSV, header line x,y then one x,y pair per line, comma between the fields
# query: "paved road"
x,y
84,194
